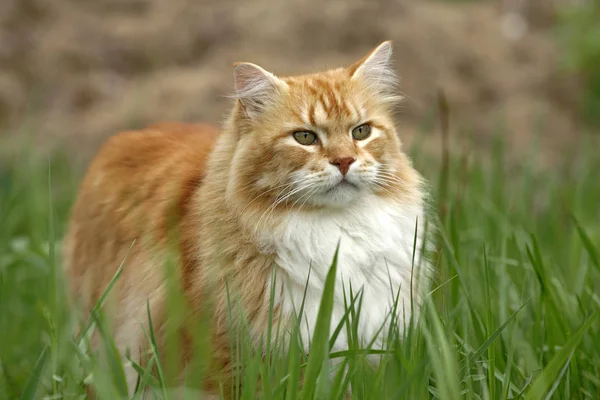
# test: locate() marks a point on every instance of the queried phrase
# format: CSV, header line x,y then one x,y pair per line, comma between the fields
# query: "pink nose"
x,y
343,164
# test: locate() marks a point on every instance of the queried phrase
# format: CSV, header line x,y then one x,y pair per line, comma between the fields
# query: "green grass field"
x,y
513,312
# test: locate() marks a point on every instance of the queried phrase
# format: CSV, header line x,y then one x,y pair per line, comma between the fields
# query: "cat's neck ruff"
x,y
367,231
376,239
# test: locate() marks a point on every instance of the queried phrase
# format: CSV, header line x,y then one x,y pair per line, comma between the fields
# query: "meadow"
x,y
513,312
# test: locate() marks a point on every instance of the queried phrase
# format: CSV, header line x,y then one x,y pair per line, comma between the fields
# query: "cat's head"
x,y
324,139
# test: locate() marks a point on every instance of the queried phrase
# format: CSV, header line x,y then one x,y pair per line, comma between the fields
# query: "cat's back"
x,y
138,184
145,151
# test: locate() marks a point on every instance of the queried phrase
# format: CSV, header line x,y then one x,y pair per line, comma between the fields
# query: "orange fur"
x,y
225,191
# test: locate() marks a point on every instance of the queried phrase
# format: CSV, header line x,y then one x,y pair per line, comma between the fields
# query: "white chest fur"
x,y
376,255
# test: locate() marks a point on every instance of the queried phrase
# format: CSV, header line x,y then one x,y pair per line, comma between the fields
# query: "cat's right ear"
x,y
255,87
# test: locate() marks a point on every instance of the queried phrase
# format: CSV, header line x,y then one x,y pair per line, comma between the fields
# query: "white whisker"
x,y
278,201
377,183
282,187
311,193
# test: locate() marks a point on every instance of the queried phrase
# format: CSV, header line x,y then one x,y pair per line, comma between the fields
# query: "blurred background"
x,y
73,72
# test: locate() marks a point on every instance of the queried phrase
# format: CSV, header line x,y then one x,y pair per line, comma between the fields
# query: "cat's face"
x,y
324,139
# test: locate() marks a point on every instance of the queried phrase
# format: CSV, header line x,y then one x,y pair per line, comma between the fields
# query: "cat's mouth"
x,y
341,185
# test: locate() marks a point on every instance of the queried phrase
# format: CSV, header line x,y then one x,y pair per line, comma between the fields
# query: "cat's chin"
x,y
341,195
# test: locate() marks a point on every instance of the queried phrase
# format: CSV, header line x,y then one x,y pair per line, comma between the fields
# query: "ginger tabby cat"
x,y
302,163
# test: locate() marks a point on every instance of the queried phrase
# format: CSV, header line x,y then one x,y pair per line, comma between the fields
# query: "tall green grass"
x,y
513,312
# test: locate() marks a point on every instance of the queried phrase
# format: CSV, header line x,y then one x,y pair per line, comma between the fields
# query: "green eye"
x,y
305,137
361,132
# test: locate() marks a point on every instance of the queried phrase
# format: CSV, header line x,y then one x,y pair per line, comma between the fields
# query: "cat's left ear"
x,y
377,71
255,87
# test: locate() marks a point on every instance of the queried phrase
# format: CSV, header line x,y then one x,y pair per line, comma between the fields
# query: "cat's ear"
x,y
377,71
255,87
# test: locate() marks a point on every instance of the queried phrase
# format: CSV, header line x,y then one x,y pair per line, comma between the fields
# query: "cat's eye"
x,y
361,132
305,138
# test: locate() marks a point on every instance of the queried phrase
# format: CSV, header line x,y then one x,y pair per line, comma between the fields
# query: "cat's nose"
x,y
343,164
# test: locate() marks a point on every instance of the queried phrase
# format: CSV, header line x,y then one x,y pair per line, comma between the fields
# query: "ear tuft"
x,y
377,71
255,87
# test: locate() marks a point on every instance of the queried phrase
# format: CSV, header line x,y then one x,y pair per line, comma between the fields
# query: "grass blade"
x,y
113,357
320,342
479,352
154,345
550,374
33,383
146,378
90,324
587,243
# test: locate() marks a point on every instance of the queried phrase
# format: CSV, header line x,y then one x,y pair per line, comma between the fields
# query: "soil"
x,y
82,70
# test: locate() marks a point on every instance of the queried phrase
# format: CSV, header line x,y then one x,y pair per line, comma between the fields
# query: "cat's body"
x,y
295,171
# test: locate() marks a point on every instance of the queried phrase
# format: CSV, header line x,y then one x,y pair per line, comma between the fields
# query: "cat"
x,y
303,164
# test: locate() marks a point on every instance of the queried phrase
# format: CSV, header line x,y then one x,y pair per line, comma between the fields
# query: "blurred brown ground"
x,y
83,70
